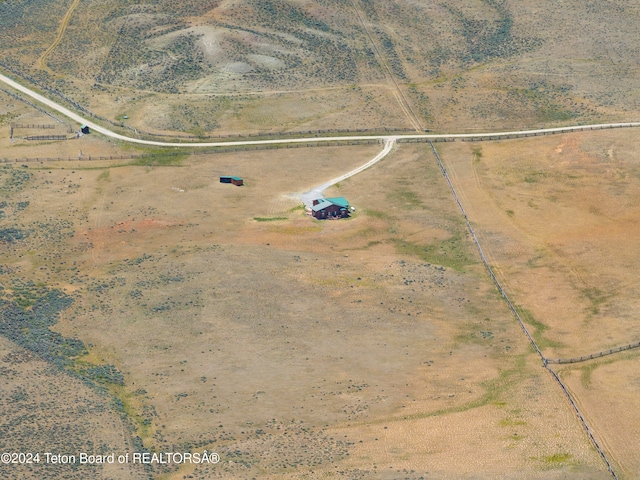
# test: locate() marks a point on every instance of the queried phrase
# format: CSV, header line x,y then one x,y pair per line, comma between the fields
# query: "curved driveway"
x,y
308,197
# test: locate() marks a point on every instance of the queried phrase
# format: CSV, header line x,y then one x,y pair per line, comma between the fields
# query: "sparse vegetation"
x,y
557,458
454,252
596,298
406,198
211,339
269,219
158,160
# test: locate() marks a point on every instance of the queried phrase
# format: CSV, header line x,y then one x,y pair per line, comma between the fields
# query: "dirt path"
x,y
311,195
42,61
403,103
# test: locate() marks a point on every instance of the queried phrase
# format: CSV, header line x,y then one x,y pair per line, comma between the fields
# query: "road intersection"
x,y
309,196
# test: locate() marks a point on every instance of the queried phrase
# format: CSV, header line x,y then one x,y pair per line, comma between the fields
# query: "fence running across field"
x,y
545,361
603,353
46,137
236,148
51,136
378,132
513,135
41,127
31,104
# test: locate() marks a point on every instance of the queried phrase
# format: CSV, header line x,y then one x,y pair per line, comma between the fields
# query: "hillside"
x,y
221,66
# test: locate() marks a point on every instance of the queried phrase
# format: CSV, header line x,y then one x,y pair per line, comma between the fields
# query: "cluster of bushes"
x,y
13,179
390,53
545,101
133,60
286,16
54,230
186,63
191,8
322,53
163,70
18,36
487,39
421,102
12,234
102,374
335,60
128,51
26,317
29,328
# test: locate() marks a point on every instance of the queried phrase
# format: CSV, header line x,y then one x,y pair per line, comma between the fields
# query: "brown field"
x,y
558,219
144,306
374,347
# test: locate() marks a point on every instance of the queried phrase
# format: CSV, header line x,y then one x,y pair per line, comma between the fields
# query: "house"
x,y
336,207
237,181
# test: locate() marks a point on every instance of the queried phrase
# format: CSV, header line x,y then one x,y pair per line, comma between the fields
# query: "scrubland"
x,y
229,67
144,306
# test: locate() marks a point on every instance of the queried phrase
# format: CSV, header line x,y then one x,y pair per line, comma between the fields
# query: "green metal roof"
x,y
339,201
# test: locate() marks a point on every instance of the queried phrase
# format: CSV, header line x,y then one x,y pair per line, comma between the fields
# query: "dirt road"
x,y
491,135
311,195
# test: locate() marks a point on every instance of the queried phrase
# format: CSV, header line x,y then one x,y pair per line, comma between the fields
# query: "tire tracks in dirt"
x,y
42,61
503,293
404,104
555,251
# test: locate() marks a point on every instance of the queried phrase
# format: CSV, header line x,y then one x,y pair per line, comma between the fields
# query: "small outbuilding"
x,y
237,181
336,207
84,129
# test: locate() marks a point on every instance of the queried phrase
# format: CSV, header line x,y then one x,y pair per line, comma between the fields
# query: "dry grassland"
x,y
226,67
374,347
558,218
45,410
151,307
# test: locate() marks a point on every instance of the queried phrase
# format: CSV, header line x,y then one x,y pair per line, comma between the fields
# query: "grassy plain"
x,y
370,347
558,218
146,306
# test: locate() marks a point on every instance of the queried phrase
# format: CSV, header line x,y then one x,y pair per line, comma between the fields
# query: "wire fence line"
x,y
603,353
504,295
46,137
482,256
382,130
248,148
583,421
317,133
31,104
34,126
507,136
